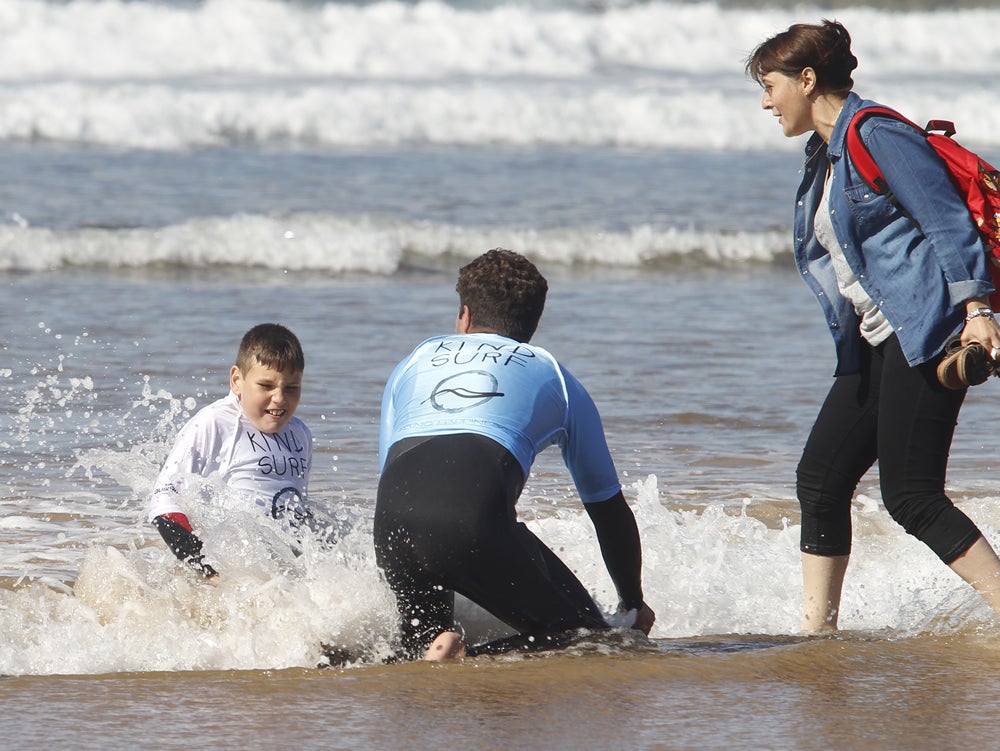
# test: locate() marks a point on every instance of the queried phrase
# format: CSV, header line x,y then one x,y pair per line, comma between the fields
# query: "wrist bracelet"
x,y
979,313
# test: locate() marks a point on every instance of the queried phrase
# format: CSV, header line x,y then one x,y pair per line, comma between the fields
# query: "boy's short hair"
x,y
504,291
273,346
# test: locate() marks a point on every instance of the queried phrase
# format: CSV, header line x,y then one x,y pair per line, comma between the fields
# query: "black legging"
x,y
901,416
445,522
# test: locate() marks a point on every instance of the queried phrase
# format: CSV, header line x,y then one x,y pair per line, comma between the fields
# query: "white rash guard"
x,y
265,470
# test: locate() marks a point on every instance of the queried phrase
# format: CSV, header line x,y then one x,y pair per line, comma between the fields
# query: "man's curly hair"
x,y
505,292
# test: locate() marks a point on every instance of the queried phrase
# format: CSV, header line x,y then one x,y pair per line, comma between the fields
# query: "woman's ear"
x,y
808,80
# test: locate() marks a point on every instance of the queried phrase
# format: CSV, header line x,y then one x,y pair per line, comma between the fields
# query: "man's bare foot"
x,y
447,646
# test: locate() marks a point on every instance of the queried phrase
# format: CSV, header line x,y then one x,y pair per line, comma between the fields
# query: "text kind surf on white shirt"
x,y
269,471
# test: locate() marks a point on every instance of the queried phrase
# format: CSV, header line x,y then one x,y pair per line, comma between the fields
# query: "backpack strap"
x,y
858,152
945,126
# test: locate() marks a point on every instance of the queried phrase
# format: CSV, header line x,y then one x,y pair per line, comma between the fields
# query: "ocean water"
x,y
175,172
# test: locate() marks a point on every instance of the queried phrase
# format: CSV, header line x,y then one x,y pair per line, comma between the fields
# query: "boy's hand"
x,y
207,571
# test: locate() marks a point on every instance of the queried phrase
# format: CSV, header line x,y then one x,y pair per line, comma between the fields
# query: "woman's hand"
x,y
981,327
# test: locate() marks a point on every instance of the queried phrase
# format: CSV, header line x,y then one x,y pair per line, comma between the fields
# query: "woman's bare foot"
x,y
447,646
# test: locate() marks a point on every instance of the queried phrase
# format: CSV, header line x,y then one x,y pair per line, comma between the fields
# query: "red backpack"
x,y
976,181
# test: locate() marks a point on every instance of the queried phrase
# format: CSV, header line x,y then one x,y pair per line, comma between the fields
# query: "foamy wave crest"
x,y
359,114
653,114
336,244
118,39
305,242
650,75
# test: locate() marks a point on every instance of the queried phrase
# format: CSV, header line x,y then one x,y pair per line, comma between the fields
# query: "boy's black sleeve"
x,y
618,536
184,544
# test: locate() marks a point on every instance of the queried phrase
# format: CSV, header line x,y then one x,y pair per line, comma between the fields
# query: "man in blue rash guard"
x,y
463,418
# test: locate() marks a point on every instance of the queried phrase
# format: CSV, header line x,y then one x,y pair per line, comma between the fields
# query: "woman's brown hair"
x,y
826,48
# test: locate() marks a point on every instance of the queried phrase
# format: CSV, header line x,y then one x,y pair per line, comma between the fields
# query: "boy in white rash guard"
x,y
250,438
463,417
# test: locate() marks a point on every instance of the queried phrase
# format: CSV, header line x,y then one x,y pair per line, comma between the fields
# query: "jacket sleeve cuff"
x,y
968,290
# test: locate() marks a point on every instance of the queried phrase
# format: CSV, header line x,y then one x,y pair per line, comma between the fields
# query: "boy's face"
x,y
268,397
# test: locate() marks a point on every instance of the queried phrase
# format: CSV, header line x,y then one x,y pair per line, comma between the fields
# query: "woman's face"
x,y
787,98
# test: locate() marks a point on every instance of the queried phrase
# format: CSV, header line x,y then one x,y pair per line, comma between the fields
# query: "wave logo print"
x,y
464,391
287,505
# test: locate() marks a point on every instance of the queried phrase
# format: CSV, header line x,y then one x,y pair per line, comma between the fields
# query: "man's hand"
x,y
644,619
641,618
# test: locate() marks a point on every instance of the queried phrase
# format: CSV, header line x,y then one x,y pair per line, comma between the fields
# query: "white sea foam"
x,y
706,571
652,75
322,242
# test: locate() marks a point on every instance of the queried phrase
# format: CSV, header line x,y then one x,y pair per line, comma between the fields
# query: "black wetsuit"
x,y
445,522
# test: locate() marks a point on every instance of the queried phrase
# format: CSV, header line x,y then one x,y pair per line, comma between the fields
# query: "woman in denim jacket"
x,y
893,295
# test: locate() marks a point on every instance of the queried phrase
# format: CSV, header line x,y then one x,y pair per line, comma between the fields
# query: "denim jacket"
x,y
919,278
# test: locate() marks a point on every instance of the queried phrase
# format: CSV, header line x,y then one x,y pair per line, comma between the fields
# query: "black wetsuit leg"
x,y
445,522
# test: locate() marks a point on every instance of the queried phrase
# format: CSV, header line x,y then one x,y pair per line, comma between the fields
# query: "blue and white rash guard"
x,y
512,392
